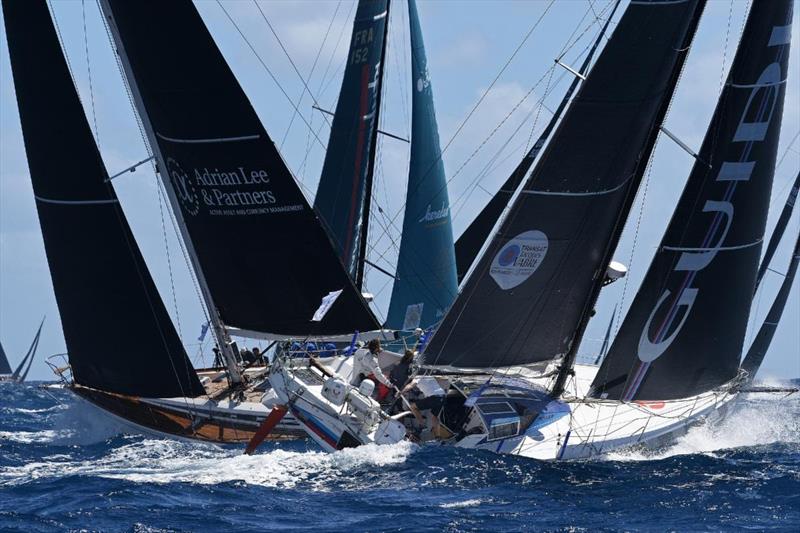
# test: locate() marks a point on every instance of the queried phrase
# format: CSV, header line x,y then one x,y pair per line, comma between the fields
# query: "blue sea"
x,y
64,466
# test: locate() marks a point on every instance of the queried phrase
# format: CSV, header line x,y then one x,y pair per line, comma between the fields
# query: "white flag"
x,y
327,302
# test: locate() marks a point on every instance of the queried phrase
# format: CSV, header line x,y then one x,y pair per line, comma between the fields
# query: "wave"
x,y
754,422
168,461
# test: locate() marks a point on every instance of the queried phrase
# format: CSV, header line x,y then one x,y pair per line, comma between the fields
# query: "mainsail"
x,y
426,281
261,254
755,355
529,293
5,368
469,244
684,331
21,372
780,228
345,187
117,330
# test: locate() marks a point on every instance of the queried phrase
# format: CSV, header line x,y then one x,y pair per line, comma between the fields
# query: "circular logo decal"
x,y
508,255
184,189
519,259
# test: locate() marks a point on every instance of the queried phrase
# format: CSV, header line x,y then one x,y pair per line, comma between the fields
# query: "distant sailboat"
x,y
507,347
21,372
425,279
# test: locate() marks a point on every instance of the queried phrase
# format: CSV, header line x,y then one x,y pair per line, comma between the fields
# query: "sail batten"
x,y
530,292
426,281
117,330
684,331
261,254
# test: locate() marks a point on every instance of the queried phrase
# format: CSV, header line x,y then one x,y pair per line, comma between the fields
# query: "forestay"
x,y
258,245
684,331
118,333
536,282
426,282
345,185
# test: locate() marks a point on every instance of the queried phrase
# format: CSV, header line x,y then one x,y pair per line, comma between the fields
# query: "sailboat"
x,y
425,282
506,351
21,372
228,190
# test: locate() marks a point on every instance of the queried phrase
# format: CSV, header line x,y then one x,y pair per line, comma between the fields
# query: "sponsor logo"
x,y
424,81
519,259
184,189
230,191
434,215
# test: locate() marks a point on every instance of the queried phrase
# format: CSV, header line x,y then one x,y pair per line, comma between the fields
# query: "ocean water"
x,y
66,467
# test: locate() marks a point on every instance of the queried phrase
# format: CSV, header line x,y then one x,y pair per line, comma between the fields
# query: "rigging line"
x,y
484,95
154,164
169,260
266,68
788,148
89,71
294,66
725,50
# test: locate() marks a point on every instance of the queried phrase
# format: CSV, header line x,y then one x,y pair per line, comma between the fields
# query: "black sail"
x,y
755,354
345,185
469,244
529,292
780,228
684,331
117,330
261,249
5,368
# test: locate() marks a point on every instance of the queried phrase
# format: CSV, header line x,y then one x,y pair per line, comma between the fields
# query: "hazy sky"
x,y
468,43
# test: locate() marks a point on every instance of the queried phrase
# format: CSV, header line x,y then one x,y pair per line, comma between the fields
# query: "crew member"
x,y
365,364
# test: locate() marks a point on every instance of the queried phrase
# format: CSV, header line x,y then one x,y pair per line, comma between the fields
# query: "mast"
x,y
218,328
684,332
777,233
469,244
426,283
565,368
373,150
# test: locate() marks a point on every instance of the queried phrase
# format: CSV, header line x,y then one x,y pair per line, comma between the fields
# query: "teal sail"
x,y
426,281
345,185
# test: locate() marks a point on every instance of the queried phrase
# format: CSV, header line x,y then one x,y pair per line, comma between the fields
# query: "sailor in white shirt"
x,y
365,364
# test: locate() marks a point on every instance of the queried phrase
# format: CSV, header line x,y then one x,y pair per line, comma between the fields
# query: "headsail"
x,y
260,251
684,331
469,244
346,183
117,330
755,355
780,228
21,372
533,287
426,281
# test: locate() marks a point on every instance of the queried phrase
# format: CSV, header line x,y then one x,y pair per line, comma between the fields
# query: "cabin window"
x,y
503,428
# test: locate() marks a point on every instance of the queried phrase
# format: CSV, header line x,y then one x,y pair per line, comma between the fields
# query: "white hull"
x,y
582,429
574,428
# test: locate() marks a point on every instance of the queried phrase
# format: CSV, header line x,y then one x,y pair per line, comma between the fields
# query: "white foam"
x,y
459,505
755,421
166,461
